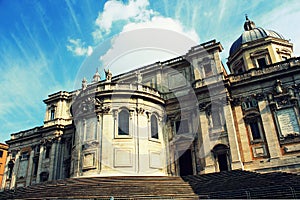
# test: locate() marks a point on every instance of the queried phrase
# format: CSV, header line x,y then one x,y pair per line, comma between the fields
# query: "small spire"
x,y
249,25
96,77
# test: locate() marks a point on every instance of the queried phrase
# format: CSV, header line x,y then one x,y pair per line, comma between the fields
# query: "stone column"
x,y
243,134
41,158
59,156
29,169
52,170
15,171
270,129
236,162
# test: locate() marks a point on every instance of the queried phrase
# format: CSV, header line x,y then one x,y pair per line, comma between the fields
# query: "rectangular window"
x,y
207,70
1,153
52,114
255,130
35,167
261,62
47,153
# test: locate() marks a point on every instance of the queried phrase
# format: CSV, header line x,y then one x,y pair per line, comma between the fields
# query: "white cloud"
x,y
79,48
134,11
148,42
159,22
147,36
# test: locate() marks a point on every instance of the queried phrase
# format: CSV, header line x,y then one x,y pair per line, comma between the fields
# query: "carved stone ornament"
x,y
105,109
236,101
282,96
140,110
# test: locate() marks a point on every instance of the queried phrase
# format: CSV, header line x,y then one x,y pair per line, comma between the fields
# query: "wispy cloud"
x,y
73,15
79,48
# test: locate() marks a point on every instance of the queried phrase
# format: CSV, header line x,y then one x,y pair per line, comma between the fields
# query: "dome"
x,y
250,34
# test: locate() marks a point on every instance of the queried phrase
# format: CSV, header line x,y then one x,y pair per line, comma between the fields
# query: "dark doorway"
x,y
222,160
185,163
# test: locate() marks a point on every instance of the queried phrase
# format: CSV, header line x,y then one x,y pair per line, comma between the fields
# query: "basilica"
x,y
184,116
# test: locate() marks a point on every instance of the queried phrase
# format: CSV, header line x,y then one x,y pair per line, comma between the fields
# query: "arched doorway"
x,y
221,155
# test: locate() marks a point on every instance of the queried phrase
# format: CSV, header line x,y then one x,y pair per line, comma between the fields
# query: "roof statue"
x,y
84,83
108,75
139,77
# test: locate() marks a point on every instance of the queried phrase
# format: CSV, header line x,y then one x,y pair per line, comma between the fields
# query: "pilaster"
x,y
206,144
243,134
41,158
52,170
29,169
270,129
236,162
15,171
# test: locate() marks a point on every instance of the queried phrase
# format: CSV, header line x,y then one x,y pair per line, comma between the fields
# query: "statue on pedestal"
x,y
108,75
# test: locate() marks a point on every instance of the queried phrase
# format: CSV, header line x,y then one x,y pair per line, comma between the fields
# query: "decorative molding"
x,y
90,145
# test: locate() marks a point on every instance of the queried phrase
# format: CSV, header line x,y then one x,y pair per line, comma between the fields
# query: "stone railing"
x,y
25,133
57,121
269,69
130,87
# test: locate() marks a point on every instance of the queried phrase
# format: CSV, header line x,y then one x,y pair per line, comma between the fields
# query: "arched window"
x,y
154,127
123,123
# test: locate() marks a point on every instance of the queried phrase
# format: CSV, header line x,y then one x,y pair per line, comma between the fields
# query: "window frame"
x,y
257,60
116,122
48,151
152,136
257,120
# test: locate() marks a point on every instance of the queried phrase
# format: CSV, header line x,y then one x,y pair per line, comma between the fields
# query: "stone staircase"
x,y
232,184
138,187
245,185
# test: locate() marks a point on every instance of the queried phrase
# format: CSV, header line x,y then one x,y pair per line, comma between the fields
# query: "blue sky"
x,y
43,44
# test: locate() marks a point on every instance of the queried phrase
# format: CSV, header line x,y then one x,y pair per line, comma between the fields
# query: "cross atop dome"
x,y
249,25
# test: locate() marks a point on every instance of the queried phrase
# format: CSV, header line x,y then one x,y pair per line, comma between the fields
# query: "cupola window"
x,y
261,62
52,112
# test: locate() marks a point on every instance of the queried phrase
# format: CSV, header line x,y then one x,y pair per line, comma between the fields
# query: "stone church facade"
x,y
182,116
